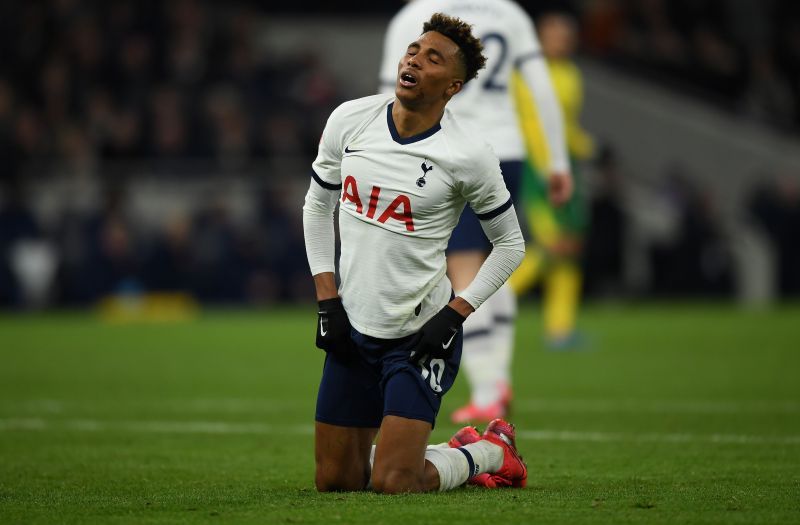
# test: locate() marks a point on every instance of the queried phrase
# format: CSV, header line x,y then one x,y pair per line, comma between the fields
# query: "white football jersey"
x,y
509,39
400,199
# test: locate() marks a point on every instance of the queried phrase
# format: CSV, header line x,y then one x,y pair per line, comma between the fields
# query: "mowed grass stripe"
x,y
238,405
224,427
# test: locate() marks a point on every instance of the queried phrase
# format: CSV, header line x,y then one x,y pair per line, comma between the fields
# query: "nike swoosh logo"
x,y
322,330
445,346
348,150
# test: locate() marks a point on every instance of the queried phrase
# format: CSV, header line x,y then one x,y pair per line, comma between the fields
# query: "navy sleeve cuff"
x,y
495,212
326,185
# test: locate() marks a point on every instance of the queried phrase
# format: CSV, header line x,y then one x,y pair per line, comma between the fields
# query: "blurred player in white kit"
x,y
511,47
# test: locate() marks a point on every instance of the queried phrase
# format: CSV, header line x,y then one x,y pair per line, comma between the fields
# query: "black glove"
x,y
436,337
333,327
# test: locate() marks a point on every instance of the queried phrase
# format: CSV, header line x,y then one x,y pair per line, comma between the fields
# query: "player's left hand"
x,y
437,337
559,187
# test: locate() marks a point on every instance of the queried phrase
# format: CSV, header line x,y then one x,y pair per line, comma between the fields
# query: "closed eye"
x,y
435,57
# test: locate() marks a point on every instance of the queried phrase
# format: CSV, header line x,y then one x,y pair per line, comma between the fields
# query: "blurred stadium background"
x,y
165,146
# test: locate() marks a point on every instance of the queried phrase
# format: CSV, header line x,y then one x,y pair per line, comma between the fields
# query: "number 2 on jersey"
x,y
492,82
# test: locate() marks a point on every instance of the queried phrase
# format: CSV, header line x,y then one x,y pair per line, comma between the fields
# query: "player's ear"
x,y
454,87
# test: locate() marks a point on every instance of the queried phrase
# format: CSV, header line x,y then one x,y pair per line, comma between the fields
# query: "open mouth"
x,y
407,80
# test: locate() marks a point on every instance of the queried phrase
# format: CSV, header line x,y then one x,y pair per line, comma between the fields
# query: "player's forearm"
x,y
462,306
495,271
318,228
325,284
538,79
507,253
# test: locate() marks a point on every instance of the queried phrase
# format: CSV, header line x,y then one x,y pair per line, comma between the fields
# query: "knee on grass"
x,y
396,481
333,479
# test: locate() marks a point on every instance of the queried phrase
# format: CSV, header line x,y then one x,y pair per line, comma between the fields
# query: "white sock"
x,y
504,310
371,464
456,465
487,456
477,356
452,466
429,447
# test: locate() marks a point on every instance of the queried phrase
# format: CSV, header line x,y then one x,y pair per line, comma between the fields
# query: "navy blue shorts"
x,y
468,234
380,381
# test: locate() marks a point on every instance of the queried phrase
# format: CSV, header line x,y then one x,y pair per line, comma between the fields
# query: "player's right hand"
x,y
333,327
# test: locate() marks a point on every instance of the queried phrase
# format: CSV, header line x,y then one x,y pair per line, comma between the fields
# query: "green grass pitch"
x,y
672,414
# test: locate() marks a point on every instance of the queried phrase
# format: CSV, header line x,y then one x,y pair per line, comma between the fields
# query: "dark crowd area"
x,y
103,92
83,83
206,254
742,55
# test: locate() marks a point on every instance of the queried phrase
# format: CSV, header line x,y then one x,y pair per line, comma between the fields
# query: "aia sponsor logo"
x,y
399,209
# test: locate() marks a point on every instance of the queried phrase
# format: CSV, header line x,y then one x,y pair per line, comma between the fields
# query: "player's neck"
x,y
413,121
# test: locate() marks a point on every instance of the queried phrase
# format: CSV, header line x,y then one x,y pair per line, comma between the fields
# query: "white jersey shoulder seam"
x,y
362,111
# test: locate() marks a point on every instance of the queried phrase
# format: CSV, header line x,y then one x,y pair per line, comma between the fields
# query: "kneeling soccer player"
x,y
403,169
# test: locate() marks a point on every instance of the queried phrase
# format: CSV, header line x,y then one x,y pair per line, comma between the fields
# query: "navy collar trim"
x,y
408,140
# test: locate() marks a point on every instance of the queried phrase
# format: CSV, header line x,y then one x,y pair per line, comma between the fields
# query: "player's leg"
x,y
462,267
400,464
405,463
411,398
412,395
532,198
466,252
529,271
489,338
342,457
436,469
484,361
504,310
503,307
564,279
348,414
512,472
561,301
430,446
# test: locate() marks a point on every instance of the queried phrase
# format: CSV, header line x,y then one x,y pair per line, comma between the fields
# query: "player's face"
x,y
558,36
430,71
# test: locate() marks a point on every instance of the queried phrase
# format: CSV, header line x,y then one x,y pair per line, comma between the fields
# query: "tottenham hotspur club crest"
x,y
425,170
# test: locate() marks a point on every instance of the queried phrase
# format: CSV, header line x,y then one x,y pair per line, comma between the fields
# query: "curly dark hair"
x,y
470,47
